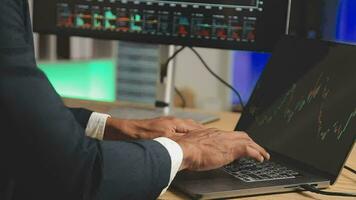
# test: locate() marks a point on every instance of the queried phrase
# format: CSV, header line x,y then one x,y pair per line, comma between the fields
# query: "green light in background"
x,y
90,80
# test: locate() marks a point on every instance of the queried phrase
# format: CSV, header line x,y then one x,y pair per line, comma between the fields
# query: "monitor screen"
x,y
304,105
229,24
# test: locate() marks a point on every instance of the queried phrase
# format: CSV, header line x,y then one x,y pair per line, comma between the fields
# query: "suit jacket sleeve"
x,y
59,159
81,115
43,149
16,42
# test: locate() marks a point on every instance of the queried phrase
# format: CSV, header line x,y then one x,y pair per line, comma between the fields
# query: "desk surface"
x,y
346,181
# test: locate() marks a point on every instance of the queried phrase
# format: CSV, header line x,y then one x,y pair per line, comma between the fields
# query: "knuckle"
x,y
246,136
243,134
168,130
217,131
245,150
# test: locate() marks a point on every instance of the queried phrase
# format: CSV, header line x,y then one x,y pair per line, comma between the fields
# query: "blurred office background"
x,y
111,70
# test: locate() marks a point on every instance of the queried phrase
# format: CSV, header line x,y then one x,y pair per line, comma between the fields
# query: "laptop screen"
x,y
304,105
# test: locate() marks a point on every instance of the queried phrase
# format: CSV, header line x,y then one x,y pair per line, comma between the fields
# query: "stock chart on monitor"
x,y
238,24
304,105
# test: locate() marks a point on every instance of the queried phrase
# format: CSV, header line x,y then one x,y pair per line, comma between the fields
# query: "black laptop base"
x,y
217,184
222,184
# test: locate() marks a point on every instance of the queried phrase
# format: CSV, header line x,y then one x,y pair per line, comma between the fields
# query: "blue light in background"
x,y
247,66
346,27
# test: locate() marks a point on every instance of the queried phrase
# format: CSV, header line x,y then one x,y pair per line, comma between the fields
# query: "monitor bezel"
x,y
270,37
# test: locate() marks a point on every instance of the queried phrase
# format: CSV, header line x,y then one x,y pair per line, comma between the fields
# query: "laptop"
x,y
303,111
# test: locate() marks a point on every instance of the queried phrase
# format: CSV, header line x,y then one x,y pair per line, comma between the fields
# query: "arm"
x,y
59,159
16,43
46,154
81,115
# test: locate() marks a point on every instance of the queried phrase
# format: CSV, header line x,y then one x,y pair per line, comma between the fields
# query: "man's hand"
x,y
117,129
207,149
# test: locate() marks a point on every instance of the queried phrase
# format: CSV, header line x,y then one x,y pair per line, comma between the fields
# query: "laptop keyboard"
x,y
249,170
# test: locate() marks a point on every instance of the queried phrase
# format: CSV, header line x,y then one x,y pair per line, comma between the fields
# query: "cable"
x,y
184,102
164,66
218,77
350,169
313,189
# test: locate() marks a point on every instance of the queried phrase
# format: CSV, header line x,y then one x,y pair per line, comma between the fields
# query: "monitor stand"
x,y
164,105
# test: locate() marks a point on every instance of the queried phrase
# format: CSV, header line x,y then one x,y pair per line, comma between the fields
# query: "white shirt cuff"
x,y
176,154
96,125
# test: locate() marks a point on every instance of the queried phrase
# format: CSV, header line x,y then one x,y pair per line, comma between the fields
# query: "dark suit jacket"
x,y
44,153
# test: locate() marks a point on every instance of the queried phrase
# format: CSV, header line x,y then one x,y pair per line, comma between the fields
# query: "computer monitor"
x,y
254,25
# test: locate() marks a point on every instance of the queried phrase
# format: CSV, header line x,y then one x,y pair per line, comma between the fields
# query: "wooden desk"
x,y
346,181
